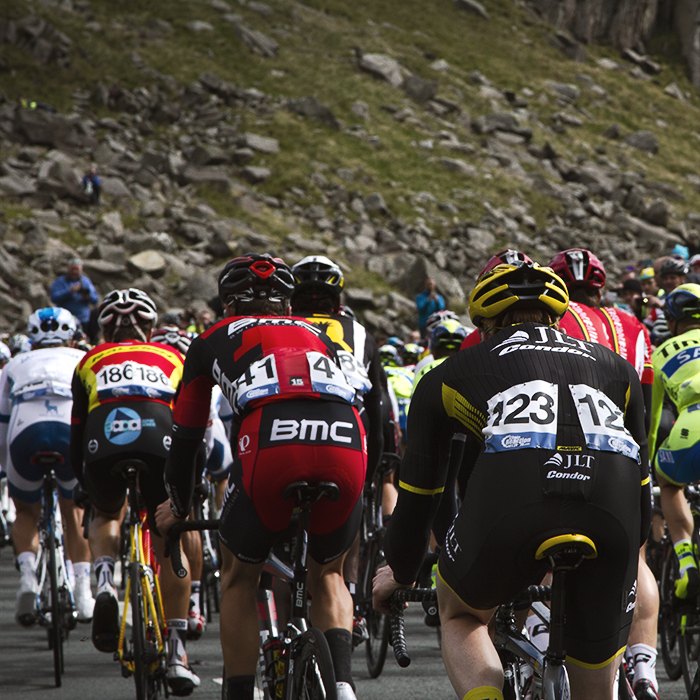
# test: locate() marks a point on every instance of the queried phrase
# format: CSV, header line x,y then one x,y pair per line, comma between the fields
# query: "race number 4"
x,y
327,377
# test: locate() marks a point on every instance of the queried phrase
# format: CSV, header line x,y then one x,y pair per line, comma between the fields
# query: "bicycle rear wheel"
x,y
669,619
313,676
56,631
689,646
377,623
138,631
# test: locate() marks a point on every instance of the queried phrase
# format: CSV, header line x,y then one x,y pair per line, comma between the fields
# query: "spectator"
x,y
92,185
75,292
428,302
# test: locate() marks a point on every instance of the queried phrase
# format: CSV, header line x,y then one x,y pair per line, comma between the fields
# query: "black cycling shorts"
x,y
489,554
134,430
287,441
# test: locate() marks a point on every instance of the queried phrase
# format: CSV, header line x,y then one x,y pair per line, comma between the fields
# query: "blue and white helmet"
x,y
51,327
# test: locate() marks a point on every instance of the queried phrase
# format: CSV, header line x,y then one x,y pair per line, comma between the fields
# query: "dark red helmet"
x,y
505,257
579,267
255,277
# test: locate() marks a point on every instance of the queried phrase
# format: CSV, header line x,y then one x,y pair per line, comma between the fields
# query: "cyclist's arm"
x,y
423,474
657,405
78,419
373,407
190,418
634,422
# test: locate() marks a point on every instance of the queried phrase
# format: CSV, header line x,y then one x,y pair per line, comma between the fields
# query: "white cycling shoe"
x,y
181,680
25,613
84,602
345,691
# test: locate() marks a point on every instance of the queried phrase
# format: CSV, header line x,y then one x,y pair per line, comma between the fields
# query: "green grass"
x,y
318,40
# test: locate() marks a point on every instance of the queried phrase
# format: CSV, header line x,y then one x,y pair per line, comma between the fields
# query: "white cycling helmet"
x,y
126,307
180,340
50,327
5,354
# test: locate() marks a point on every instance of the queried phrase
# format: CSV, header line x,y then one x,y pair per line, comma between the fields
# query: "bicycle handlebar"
x,y
398,628
172,543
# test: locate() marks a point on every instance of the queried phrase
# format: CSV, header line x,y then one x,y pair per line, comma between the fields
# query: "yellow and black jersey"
x,y
124,372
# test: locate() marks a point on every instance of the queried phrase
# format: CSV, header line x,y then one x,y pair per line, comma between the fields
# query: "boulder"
x,y
419,89
644,141
39,126
115,187
264,144
256,41
149,261
501,121
383,67
456,165
311,107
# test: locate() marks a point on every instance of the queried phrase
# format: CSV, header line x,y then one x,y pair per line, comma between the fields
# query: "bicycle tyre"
x,y
55,630
689,647
313,676
138,631
669,619
378,625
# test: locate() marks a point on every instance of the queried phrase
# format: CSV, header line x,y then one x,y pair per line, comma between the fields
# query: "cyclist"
x,y
316,297
217,460
531,400
445,340
35,413
677,376
410,355
401,381
295,420
123,392
584,276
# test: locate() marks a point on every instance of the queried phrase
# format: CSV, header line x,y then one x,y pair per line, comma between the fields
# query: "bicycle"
x,y
55,607
679,623
550,680
295,662
370,560
143,655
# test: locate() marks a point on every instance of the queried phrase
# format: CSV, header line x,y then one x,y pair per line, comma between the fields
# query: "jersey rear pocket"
x,y
570,475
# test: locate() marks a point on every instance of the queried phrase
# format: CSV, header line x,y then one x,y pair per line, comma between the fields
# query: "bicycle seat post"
x,y
555,651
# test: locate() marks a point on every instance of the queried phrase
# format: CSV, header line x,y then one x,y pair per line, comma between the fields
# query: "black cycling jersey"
x,y
359,359
528,393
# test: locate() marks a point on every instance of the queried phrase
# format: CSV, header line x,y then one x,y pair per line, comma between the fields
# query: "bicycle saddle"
x,y
47,458
567,550
125,466
310,493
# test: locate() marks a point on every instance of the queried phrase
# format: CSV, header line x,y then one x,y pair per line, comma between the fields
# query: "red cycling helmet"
x,y
579,267
254,276
505,257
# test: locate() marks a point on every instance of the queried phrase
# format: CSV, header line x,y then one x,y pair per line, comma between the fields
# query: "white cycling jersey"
x,y
35,413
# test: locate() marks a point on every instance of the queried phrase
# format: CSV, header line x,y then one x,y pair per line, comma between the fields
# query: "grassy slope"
x,y
317,42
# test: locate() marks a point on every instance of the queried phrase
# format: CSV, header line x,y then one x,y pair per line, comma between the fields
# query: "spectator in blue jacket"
x,y
75,292
92,185
428,302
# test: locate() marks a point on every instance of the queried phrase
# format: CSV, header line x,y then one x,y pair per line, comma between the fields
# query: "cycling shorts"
x,y
287,441
678,458
134,430
35,426
489,554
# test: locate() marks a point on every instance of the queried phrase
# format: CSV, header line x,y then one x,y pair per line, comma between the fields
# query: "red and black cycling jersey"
x,y
256,361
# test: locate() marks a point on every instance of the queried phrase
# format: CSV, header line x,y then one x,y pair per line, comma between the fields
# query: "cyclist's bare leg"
x,y
351,566
104,533
646,611
175,590
77,547
219,491
25,535
590,684
675,509
470,658
240,634
331,602
390,494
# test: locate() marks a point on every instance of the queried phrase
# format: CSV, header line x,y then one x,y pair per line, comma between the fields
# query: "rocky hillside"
x,y
401,138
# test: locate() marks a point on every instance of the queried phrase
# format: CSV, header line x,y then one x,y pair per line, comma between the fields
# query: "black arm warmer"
x,y
180,467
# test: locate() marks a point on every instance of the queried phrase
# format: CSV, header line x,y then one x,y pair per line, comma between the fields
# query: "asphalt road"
x,y
26,664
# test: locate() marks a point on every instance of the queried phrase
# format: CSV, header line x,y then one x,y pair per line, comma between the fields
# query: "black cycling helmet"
x,y
254,276
673,266
518,286
318,271
683,302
